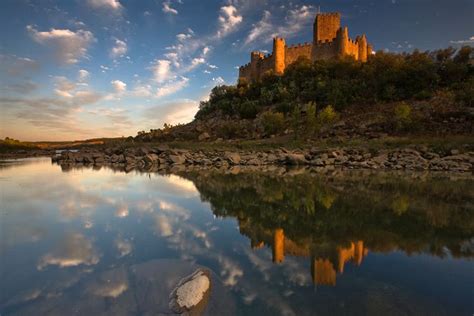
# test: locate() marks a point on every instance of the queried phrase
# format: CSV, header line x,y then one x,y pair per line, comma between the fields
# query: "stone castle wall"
x,y
330,40
292,53
324,50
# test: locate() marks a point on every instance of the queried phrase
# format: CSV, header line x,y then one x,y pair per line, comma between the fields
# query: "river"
x,y
97,241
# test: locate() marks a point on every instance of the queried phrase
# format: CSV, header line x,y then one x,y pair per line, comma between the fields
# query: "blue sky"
x,y
80,69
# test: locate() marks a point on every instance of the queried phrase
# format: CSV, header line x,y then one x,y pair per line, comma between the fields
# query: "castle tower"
x,y
342,39
362,44
278,245
325,26
344,255
279,55
255,57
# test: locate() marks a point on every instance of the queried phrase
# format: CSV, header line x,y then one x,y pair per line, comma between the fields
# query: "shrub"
x,y
229,130
327,116
402,115
296,120
247,109
273,122
311,121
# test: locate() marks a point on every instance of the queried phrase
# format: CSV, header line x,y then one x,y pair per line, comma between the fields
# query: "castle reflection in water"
x,y
326,261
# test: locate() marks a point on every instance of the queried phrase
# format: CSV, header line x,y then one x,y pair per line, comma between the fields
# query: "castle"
x,y
330,40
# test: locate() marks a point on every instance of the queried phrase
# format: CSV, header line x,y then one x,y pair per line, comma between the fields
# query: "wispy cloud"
x,y
296,19
179,111
17,66
168,9
69,46
172,87
83,75
468,41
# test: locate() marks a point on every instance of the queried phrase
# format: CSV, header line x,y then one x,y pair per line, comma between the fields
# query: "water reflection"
x,y
83,240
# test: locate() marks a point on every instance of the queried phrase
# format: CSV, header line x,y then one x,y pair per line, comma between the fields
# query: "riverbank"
x,y
144,157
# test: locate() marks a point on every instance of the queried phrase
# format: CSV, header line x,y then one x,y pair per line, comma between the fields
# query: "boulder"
x,y
88,159
232,157
204,136
99,159
191,293
151,159
177,159
161,148
295,159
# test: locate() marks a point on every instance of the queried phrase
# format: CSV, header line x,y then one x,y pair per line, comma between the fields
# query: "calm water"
x,y
88,242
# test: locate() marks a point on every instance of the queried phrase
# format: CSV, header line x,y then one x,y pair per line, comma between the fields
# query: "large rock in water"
x,y
156,279
192,293
140,289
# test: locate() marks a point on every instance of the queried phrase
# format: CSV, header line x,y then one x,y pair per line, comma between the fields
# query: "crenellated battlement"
x,y
299,45
330,14
330,40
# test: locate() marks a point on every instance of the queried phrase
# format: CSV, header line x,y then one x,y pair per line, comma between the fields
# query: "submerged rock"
x,y
191,293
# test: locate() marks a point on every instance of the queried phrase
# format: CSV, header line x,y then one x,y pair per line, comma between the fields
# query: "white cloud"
x,y
213,66
161,70
296,19
70,46
83,75
229,19
172,87
105,4
174,58
218,81
168,9
197,61
119,86
181,37
104,68
120,48
470,40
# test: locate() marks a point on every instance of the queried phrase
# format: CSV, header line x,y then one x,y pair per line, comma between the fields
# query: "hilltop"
x,y
422,95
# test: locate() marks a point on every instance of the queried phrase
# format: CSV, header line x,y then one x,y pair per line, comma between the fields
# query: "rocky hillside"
x,y
430,93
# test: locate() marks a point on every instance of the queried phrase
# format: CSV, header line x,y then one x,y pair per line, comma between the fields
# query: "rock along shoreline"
x,y
163,156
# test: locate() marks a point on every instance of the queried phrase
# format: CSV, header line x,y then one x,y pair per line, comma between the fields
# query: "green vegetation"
x,y
386,77
402,115
273,122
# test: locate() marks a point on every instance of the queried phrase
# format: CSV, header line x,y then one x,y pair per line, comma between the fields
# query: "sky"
x,y
80,69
